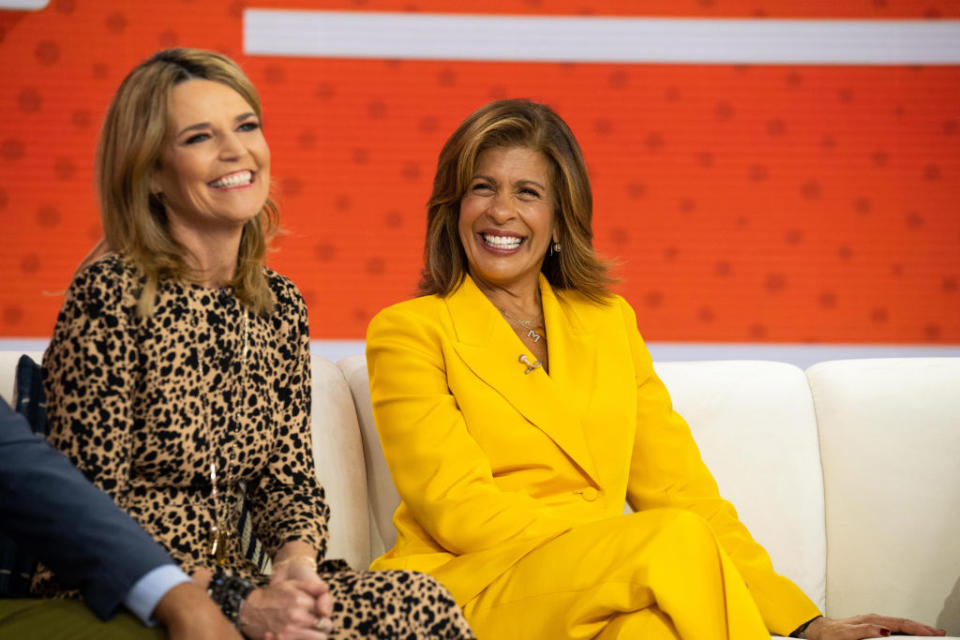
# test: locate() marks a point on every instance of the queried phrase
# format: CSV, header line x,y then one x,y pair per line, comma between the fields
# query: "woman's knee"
x,y
648,624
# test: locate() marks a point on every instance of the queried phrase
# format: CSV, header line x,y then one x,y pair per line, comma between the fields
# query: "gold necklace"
x,y
218,541
530,326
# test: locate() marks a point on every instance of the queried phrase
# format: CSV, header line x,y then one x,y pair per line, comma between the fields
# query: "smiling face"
x,y
214,170
507,217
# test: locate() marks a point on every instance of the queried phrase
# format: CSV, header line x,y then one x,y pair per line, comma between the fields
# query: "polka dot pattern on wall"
x,y
742,202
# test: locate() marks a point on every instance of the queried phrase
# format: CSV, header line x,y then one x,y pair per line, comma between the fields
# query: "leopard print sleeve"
x,y
89,378
288,501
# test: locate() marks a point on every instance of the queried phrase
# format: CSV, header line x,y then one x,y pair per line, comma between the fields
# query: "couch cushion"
x,y
384,498
754,423
338,455
890,441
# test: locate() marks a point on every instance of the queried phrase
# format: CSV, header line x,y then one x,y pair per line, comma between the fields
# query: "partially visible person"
x,y
52,511
178,374
518,410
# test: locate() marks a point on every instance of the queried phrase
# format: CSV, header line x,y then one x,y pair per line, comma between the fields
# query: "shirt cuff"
x,y
147,592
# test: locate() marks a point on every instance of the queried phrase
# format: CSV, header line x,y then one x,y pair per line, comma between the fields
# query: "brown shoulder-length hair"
x,y
134,132
514,123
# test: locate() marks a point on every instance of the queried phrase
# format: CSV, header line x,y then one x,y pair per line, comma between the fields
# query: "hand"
x,y
286,610
304,569
188,613
866,626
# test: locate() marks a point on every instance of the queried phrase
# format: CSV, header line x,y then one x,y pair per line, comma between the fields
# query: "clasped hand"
x,y
296,605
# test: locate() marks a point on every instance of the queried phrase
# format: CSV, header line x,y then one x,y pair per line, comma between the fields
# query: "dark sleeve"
x,y
798,632
49,509
287,502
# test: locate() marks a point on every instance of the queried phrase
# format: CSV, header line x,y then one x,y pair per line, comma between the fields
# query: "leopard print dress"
x,y
144,405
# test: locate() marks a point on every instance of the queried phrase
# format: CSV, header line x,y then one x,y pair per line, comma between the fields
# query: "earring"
x,y
554,248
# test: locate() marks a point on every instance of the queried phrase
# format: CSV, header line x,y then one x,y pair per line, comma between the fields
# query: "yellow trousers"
x,y
658,574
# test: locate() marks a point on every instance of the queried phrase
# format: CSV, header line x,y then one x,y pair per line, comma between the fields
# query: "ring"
x,y
322,624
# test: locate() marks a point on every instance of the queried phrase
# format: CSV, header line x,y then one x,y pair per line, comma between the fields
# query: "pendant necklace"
x,y
530,326
218,541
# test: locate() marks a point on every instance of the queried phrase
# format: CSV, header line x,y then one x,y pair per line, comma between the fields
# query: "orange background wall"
x,y
744,203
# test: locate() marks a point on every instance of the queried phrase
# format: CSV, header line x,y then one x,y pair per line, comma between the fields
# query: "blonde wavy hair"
x,y
131,142
514,123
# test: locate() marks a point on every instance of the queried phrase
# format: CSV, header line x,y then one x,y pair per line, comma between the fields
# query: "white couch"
x,y
848,473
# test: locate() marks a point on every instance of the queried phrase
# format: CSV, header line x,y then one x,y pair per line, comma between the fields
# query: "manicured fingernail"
x,y
884,632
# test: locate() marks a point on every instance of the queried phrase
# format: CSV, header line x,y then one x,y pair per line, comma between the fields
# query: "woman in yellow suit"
x,y
518,408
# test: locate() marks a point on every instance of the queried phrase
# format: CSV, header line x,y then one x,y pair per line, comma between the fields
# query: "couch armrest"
x,y
890,444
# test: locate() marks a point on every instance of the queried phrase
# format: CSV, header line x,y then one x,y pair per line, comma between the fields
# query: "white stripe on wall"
x,y
345,34
27,5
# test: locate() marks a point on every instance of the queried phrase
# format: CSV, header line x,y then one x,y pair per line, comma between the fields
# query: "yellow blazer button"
x,y
589,494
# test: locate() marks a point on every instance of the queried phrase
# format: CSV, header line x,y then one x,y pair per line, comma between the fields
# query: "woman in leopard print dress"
x,y
178,376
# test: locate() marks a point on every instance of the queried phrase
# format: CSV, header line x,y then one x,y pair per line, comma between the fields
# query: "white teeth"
x,y
502,242
233,180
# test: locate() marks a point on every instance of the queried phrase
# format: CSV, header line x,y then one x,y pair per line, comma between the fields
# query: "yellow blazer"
x,y
490,463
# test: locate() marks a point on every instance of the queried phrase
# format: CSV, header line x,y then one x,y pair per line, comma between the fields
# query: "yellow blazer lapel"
x,y
490,348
